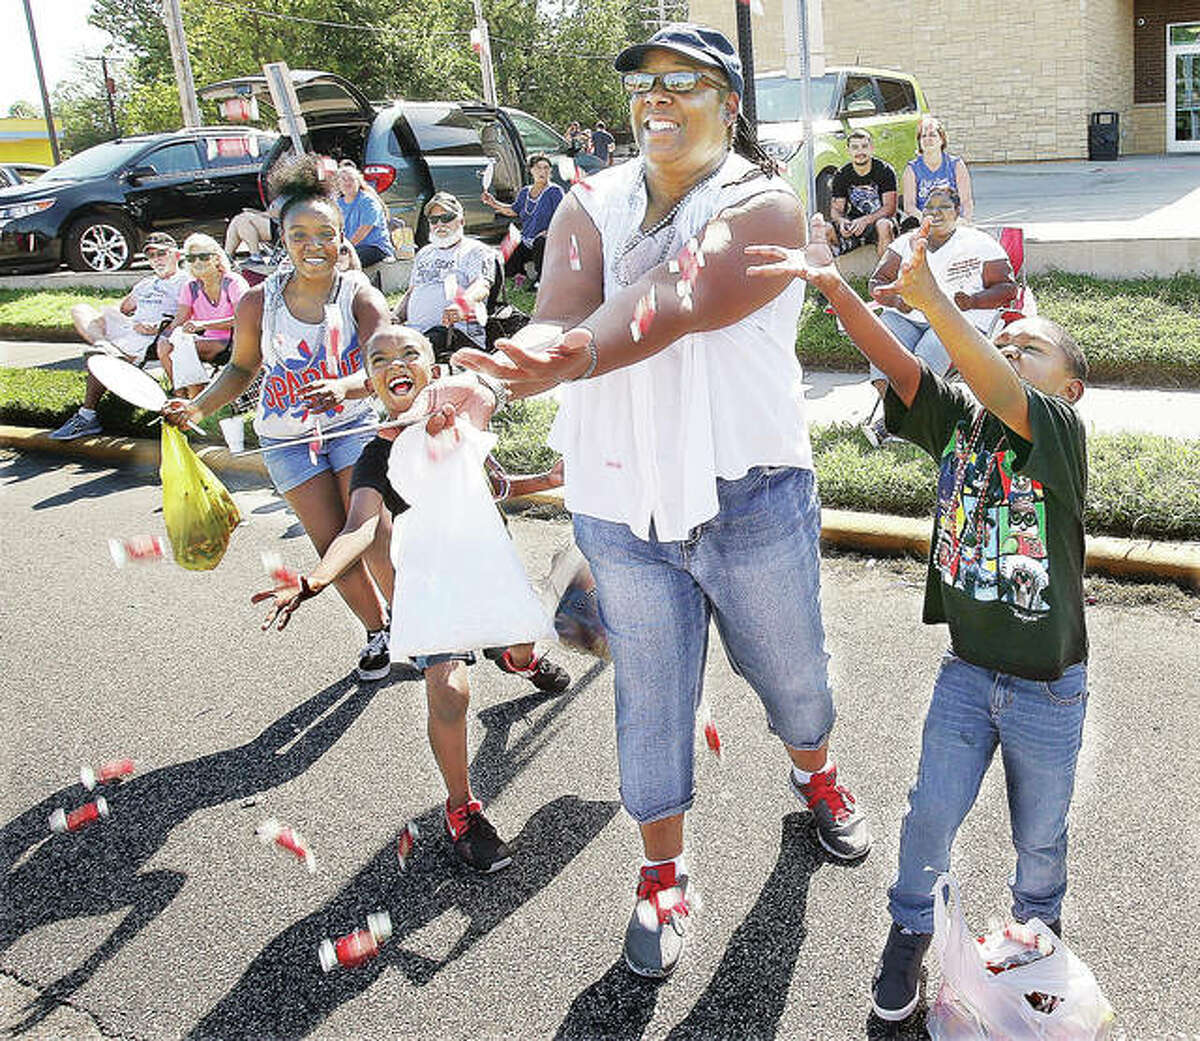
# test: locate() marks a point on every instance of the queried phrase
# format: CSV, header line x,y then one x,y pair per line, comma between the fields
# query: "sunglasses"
x,y
154,254
680,81
199,258
442,218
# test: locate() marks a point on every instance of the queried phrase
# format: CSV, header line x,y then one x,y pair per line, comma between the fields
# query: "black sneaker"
x,y
375,659
474,839
541,672
896,989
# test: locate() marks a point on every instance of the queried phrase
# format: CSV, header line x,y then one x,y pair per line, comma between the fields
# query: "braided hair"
x,y
296,179
745,143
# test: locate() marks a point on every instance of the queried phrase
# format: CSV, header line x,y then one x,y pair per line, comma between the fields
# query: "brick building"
x,y
1019,80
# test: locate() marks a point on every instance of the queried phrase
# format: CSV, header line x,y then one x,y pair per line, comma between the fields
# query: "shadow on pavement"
x,y
284,993
746,996
104,480
50,878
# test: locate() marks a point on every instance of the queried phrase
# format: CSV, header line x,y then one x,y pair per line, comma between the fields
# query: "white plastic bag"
x,y
186,367
459,582
1053,996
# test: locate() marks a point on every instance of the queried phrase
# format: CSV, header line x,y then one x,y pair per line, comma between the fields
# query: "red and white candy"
x,y
454,293
568,170
711,737
61,821
573,255
285,837
511,241
359,947
643,315
141,549
687,265
405,843
284,577
113,770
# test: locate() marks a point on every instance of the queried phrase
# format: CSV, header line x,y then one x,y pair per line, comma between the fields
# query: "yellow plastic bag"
x,y
199,513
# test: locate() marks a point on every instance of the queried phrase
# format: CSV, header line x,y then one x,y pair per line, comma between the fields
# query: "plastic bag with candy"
x,y
1017,983
199,513
570,592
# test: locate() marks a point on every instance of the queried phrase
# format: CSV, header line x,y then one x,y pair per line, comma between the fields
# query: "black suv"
x,y
94,209
407,150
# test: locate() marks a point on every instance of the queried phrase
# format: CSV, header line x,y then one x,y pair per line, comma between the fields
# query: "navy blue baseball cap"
x,y
698,42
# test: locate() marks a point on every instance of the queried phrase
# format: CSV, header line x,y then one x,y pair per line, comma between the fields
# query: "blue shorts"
x,y
755,569
290,467
423,661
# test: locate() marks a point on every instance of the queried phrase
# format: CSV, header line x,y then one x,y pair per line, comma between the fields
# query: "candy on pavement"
x,y
285,837
61,821
359,947
113,770
405,843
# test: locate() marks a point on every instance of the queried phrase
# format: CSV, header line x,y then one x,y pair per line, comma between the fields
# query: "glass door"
x,y
1183,87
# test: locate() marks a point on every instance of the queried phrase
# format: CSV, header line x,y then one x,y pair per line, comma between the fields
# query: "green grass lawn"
x,y
1142,332
1139,485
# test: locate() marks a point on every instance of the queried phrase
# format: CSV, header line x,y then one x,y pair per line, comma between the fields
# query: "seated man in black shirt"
x,y
864,199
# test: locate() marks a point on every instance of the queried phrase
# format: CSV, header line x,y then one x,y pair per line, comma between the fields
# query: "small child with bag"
x,y
1005,573
400,365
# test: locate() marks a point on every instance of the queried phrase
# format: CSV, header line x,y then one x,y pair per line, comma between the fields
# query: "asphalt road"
x,y
170,920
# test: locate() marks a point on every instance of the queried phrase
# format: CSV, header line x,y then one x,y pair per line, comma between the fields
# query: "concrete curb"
x,y
871,532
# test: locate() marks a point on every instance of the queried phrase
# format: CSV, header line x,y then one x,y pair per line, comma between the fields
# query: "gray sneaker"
x,y
375,661
896,988
658,926
876,433
77,426
841,826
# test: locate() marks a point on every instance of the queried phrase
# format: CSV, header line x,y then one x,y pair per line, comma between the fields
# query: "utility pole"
x,y
183,65
484,45
745,41
110,88
37,64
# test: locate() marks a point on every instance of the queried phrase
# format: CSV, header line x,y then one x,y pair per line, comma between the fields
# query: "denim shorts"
x,y
423,661
754,569
290,467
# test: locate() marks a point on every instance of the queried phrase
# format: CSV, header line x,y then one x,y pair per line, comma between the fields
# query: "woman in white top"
x,y
688,466
305,326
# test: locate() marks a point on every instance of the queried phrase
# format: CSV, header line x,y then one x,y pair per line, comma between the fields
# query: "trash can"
x,y
1104,135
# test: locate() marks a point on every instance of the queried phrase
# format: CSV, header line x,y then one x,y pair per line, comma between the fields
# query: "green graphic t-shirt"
x,y
1006,560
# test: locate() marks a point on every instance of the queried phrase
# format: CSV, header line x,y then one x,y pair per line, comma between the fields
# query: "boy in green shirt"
x,y
1006,575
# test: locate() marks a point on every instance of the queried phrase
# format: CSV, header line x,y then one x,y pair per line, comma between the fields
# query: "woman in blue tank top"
x,y
933,167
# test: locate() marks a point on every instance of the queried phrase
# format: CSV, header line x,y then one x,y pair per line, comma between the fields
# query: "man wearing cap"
x,y
689,472
128,330
448,323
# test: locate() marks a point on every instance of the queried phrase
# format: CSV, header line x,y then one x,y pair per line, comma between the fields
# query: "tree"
x,y
23,110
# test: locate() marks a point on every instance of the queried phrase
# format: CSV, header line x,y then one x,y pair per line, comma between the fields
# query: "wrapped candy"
x,y
454,293
61,821
113,770
359,947
573,254
687,265
139,550
568,170
511,241
285,837
643,315
405,843
317,442
711,737
284,577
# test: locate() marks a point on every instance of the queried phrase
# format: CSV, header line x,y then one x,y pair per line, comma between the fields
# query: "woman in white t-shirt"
x,y
688,465
968,265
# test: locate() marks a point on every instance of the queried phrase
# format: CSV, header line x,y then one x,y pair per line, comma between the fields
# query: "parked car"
x,y
889,104
408,150
93,210
20,173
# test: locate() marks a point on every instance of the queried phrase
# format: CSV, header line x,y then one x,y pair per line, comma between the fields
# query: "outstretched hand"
x,y
285,599
526,372
813,262
914,282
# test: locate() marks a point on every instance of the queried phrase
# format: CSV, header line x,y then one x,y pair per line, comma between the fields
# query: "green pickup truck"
x,y
890,104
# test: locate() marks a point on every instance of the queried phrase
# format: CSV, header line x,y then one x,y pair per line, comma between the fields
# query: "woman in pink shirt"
x,y
206,306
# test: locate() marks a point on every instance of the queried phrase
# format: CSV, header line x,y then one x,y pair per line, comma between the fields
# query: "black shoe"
x,y
541,672
477,845
375,660
896,989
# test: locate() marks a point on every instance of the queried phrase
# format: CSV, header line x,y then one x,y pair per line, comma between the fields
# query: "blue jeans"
x,y
1039,727
755,569
919,338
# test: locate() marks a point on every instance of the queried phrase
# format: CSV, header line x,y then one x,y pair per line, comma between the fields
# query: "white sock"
x,y
679,862
804,778
87,413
